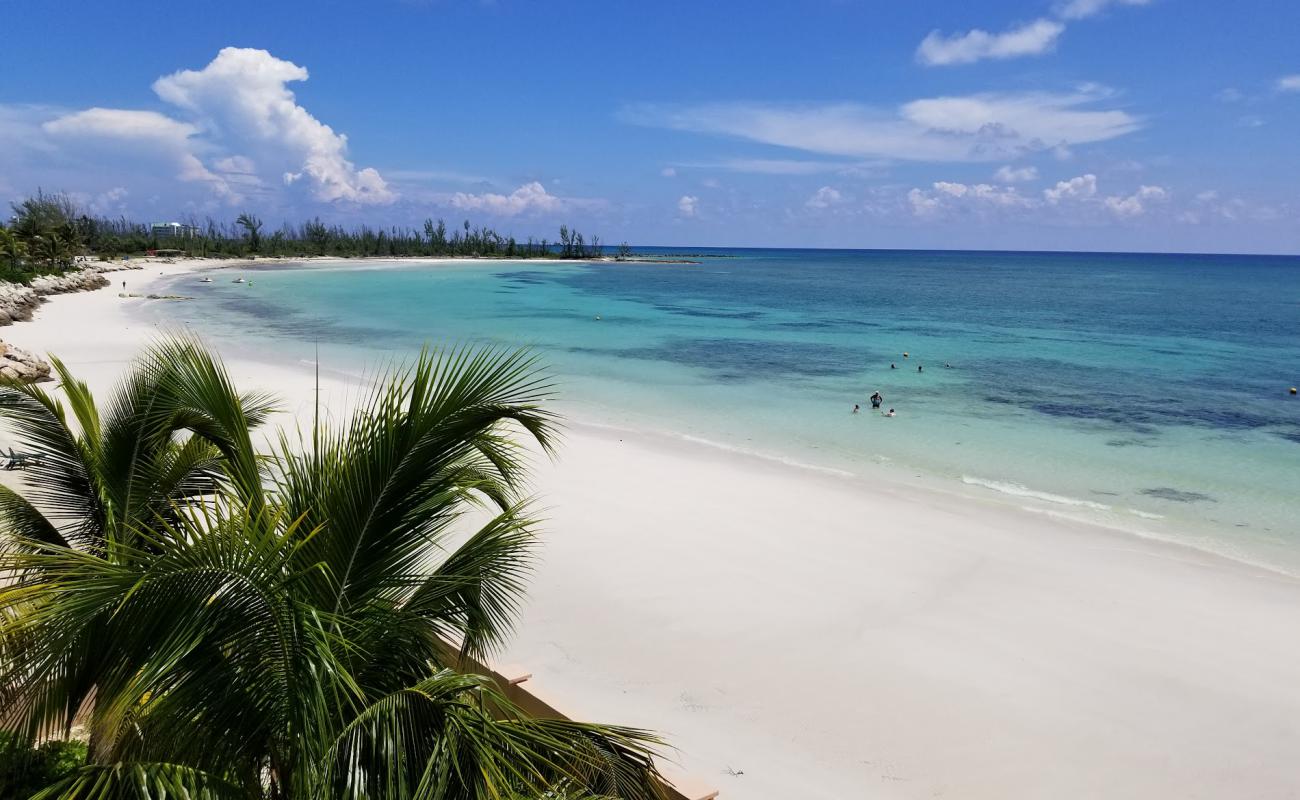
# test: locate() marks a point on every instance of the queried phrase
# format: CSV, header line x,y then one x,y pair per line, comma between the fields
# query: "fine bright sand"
x,y
799,635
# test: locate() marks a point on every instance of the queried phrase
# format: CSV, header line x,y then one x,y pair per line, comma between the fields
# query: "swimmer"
x,y
889,413
893,366
920,368
855,408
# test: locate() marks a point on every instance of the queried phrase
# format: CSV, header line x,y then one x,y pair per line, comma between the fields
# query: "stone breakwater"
x,y
20,365
18,302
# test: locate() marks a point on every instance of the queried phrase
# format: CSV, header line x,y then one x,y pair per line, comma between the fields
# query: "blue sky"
x,y
1061,124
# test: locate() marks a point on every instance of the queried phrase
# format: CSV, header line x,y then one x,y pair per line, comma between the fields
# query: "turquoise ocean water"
x,y
1142,392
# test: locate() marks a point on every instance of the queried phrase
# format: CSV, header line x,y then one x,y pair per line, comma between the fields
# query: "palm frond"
x,y
454,735
63,481
21,520
393,479
143,781
474,594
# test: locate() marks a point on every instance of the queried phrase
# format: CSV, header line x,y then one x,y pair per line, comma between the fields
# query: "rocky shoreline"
x,y
19,302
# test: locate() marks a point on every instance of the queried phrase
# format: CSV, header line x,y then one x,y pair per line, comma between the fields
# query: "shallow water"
x,y
1147,392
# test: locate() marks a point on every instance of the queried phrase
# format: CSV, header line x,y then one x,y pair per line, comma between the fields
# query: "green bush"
x,y
25,770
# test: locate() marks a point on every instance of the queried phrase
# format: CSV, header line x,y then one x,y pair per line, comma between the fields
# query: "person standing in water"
x,y
919,368
877,400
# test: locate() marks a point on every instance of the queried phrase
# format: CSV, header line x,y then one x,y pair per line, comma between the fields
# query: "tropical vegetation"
x,y
47,231
26,770
288,622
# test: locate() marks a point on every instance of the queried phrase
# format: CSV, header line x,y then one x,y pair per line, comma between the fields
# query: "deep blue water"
x,y
1142,391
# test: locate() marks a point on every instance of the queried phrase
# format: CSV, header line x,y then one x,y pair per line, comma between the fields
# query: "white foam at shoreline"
x,y
1019,490
729,448
1105,521
1144,514
786,460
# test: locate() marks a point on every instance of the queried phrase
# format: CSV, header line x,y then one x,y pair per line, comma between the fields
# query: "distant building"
x,y
164,231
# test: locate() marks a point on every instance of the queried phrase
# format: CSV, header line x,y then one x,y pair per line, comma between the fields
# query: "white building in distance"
x,y
172,231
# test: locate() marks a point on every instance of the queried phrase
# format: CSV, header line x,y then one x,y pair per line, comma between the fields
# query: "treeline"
x,y
48,232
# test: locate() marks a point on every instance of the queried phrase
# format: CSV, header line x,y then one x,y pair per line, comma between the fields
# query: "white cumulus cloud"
x,y
236,129
1081,187
687,205
1075,201
1032,38
1289,83
530,198
1136,204
244,93
971,195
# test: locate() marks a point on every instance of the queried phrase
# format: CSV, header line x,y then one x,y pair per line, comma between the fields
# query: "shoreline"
x,y
920,489
926,487
958,644
1169,495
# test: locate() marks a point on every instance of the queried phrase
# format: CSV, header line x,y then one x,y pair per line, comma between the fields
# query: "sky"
x,y
1139,125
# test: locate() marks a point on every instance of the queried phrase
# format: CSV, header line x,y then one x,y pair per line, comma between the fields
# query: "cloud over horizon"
x,y
1076,200
236,133
978,127
531,198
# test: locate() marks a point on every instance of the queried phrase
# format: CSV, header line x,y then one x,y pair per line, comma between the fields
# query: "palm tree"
x,y
114,472
291,625
253,226
51,248
12,249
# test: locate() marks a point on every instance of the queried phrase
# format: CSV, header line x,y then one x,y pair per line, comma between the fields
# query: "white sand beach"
x,y
799,635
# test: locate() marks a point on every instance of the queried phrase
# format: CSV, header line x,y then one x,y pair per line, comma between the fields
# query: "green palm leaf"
x,y
143,781
228,624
